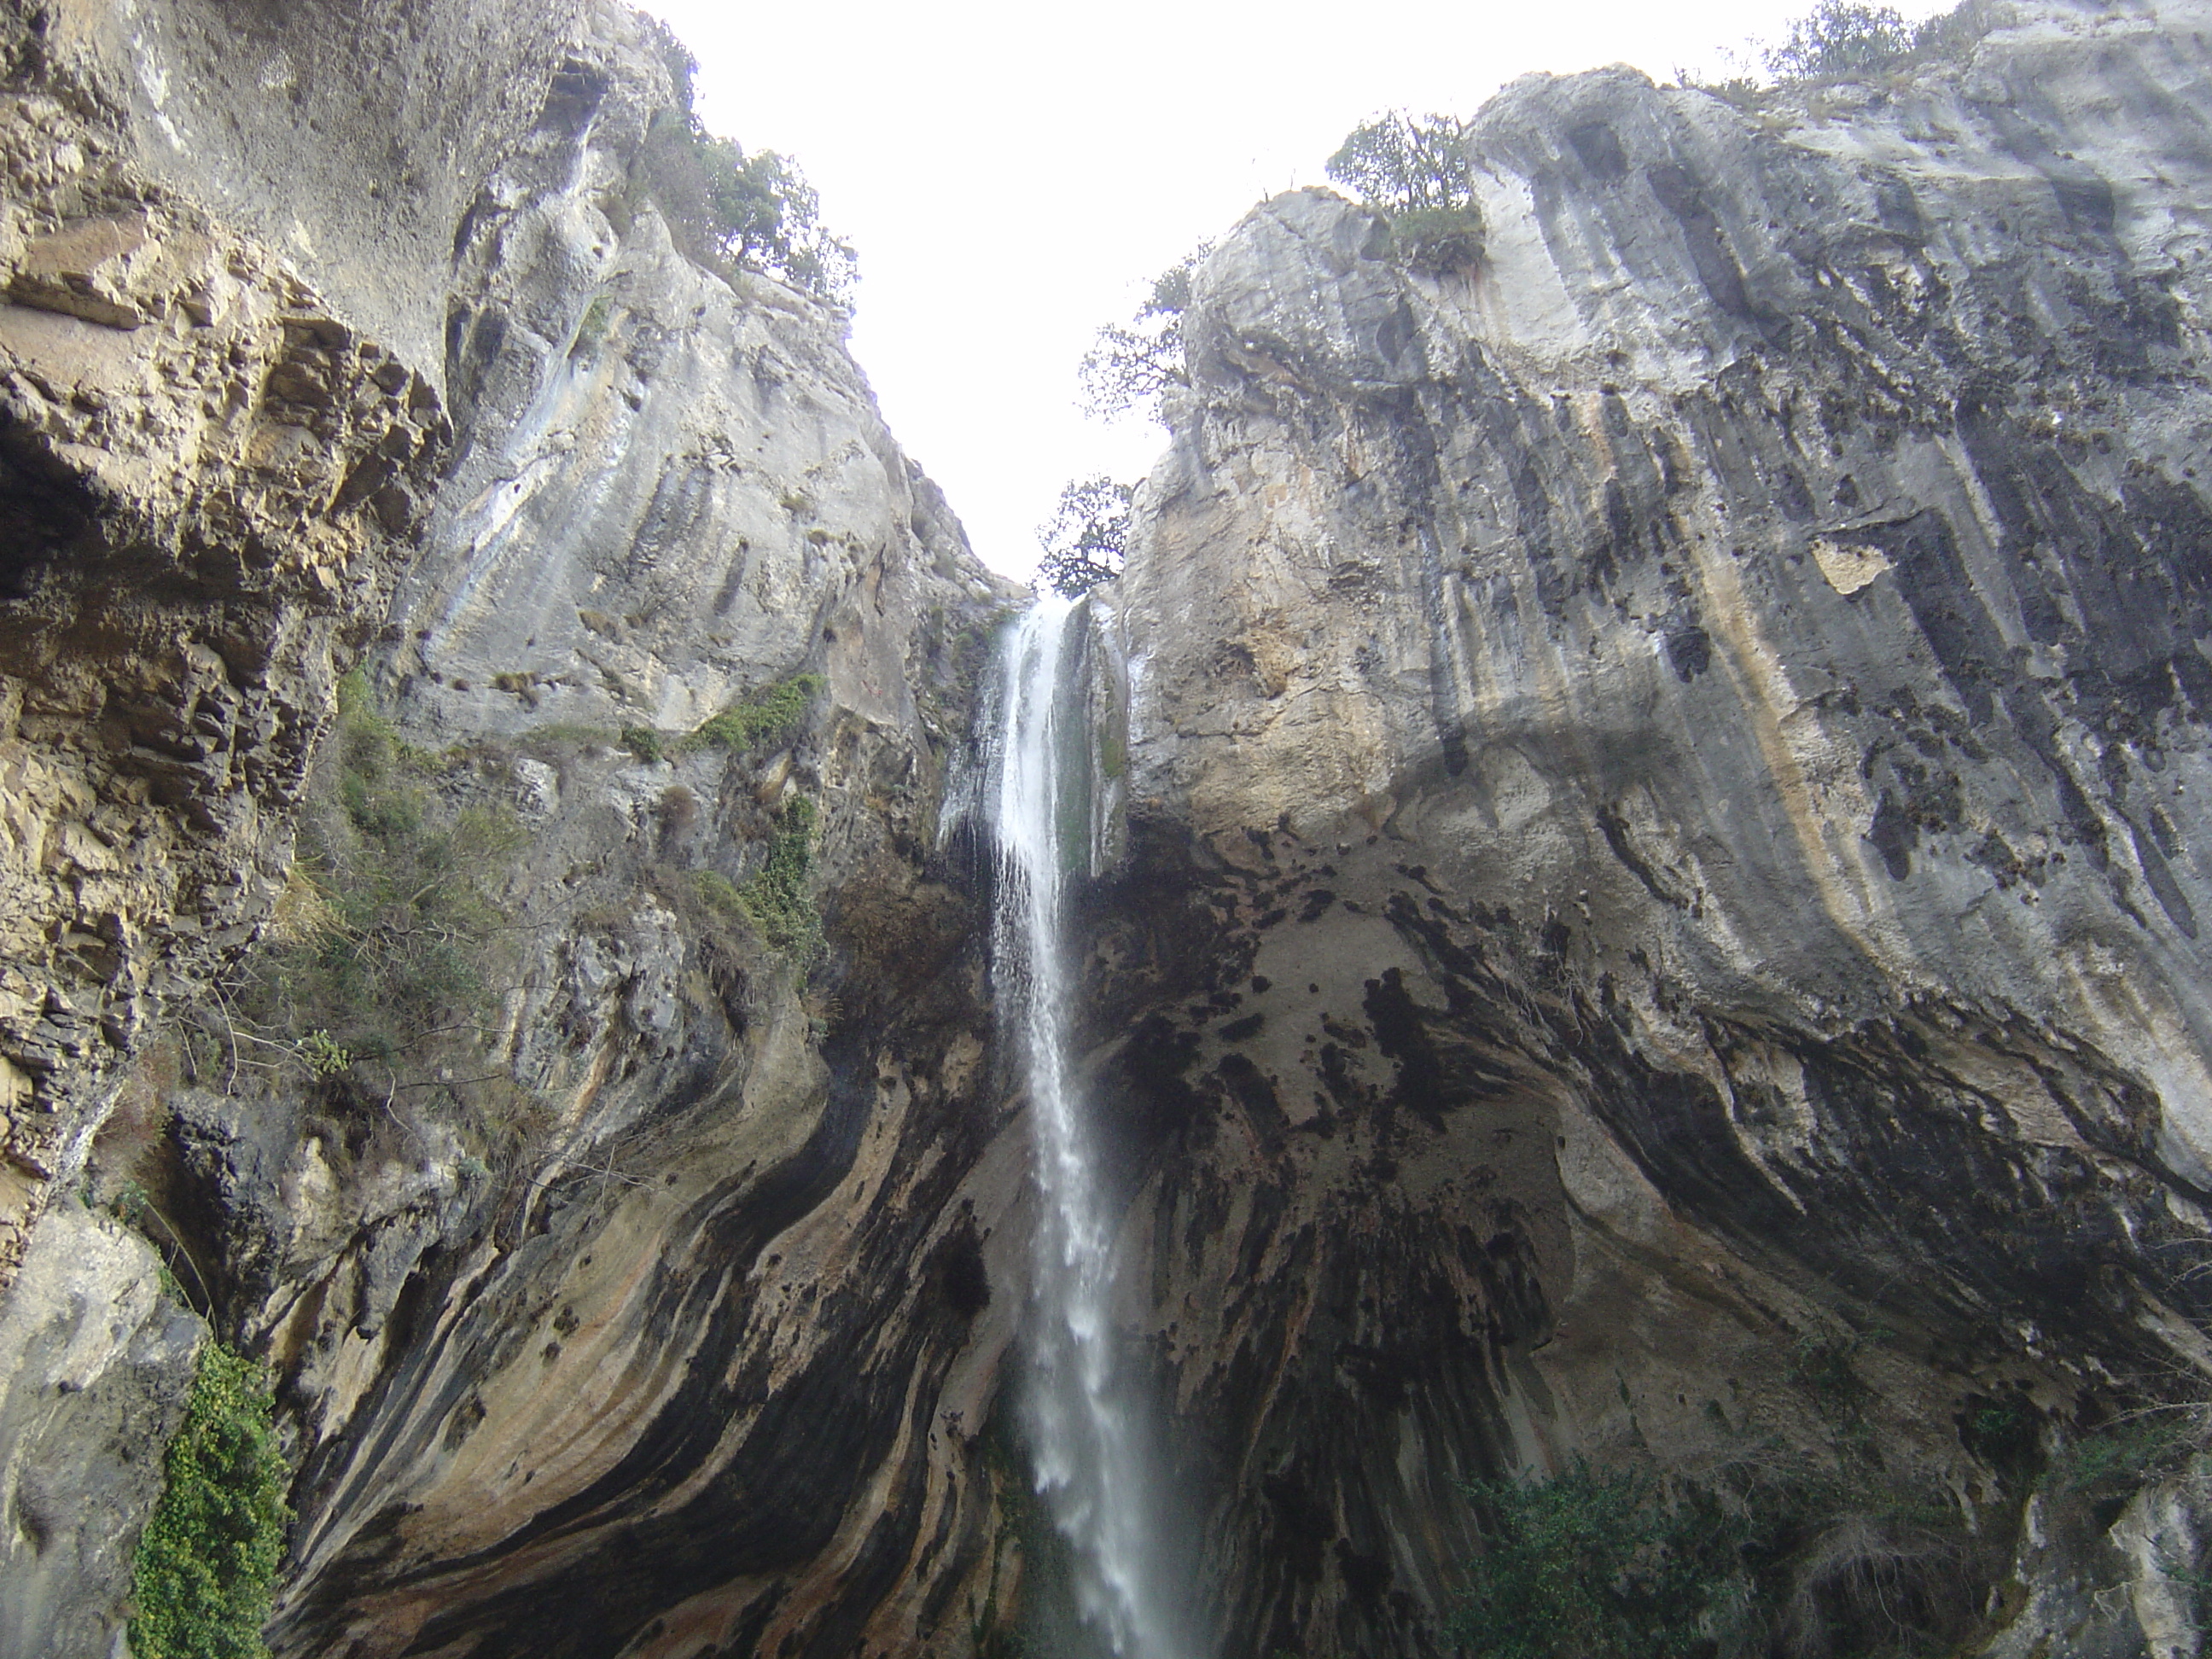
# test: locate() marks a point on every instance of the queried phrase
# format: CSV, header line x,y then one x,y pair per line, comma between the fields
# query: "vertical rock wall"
x,y
730,1294
1666,807
207,473
1647,792
708,1366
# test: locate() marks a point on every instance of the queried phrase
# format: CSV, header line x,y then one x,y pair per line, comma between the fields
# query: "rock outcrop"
x,y
718,1289
98,1359
733,1312
1664,799
208,471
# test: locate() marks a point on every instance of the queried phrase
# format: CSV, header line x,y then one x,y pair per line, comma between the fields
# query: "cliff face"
x,y
1646,907
712,1282
209,467
731,1313
1665,786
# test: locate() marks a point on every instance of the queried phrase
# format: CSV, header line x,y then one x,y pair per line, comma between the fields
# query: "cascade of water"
x,y
1084,1422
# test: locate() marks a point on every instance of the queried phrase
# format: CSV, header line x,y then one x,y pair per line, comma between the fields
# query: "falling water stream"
x,y
1085,1423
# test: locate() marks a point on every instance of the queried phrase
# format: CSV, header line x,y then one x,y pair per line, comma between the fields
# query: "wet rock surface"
x,y
1673,761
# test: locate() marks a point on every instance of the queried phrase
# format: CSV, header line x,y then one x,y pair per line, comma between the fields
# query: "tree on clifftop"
x,y
1401,165
1130,365
1414,171
1087,538
1840,38
730,211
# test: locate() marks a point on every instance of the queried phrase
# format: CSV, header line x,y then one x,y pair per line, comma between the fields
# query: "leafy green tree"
x,y
1840,38
1087,538
767,217
1400,164
1414,170
731,210
1131,365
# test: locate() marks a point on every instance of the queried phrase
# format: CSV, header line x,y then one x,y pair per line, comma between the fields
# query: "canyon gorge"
x,y
1629,851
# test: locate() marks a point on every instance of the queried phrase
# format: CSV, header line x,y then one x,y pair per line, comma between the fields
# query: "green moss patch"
x,y
767,713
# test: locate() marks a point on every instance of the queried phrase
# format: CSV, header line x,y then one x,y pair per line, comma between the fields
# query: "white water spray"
x,y
1083,1423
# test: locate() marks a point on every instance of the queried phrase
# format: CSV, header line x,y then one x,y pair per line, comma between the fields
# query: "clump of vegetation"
x,y
718,892
1600,1564
730,211
1414,171
390,949
1822,1367
206,1568
1833,1555
1840,38
598,317
1087,541
1839,1553
398,933
775,897
1131,366
1438,239
774,901
2129,1453
751,722
648,744
1845,40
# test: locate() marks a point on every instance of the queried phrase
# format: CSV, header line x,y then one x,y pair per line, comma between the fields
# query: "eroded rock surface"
x,y
728,1290
1665,787
1647,792
738,1316
99,1360
207,473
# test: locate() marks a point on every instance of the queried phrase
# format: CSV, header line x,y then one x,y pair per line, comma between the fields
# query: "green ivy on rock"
x,y
206,1568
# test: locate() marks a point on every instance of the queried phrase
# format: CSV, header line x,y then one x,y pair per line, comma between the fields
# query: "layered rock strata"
x,y
208,472
736,1313
720,1291
1665,783
1645,903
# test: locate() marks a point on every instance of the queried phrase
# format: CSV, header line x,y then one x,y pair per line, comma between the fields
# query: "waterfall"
x,y
1085,1424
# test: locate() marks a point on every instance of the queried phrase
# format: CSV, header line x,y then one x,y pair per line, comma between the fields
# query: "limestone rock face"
x,y
350,139
208,472
99,1361
729,1289
726,1292
736,1316
1666,797
1648,795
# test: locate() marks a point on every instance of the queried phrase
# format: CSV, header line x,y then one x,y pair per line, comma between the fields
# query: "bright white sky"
x,y
1014,175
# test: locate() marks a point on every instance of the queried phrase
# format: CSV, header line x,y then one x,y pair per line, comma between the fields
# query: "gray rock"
x,y
95,1362
1666,785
